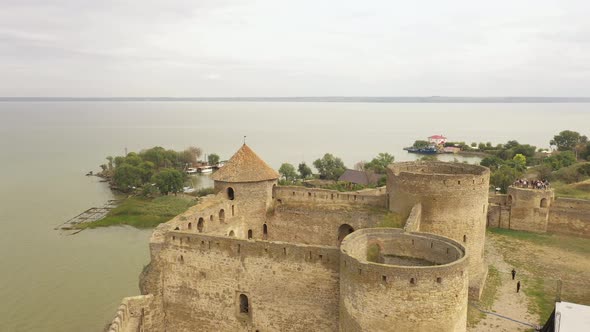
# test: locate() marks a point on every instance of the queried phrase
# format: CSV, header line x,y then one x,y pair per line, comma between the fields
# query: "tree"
x,y
503,177
288,171
213,159
520,162
568,140
329,167
421,144
473,145
561,160
168,180
360,166
127,176
304,170
379,164
492,162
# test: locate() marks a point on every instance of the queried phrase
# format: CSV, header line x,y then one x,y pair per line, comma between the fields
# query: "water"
x,y
50,282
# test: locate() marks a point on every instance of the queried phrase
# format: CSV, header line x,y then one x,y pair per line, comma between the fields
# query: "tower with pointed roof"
x,y
247,180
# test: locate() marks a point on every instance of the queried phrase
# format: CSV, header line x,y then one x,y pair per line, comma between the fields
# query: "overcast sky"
x,y
210,48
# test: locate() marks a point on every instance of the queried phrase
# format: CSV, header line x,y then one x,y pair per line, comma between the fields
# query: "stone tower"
x,y
529,208
454,200
247,181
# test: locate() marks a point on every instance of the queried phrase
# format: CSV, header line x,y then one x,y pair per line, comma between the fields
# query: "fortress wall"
x,y
318,224
413,221
527,213
134,314
377,297
289,287
454,199
375,197
570,216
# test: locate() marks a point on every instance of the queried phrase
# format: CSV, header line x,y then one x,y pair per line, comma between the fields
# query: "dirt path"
x,y
508,303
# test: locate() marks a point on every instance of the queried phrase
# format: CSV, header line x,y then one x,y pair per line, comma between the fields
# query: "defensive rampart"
x,y
134,314
287,287
454,200
376,197
420,286
570,216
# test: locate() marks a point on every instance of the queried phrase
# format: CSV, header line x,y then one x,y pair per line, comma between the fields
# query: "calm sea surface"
x,y
74,283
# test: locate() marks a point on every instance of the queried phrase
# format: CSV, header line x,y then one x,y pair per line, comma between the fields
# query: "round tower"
x,y
248,182
529,208
397,281
454,199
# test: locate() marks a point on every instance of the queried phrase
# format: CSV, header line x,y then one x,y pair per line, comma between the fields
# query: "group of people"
x,y
531,184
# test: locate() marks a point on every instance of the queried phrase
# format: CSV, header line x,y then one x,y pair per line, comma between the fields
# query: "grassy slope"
x,y
575,190
144,212
490,292
544,259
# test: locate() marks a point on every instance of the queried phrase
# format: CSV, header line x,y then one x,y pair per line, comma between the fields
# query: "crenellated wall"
x,y
454,200
205,275
426,296
373,197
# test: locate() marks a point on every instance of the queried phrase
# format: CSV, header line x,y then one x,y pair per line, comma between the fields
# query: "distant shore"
x,y
325,99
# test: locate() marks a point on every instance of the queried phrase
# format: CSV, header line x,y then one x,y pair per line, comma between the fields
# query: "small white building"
x,y
571,317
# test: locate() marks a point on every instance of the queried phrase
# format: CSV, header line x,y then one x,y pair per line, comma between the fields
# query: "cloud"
x,y
282,48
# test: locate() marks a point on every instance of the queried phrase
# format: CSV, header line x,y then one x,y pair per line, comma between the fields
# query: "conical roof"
x,y
245,166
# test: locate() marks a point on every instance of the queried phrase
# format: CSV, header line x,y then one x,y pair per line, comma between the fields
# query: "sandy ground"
x,y
508,303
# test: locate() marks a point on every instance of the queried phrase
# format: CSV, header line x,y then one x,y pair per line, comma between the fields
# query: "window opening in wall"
x,y
293,193
230,193
221,215
232,234
211,218
308,194
190,225
384,278
544,202
274,187
343,231
200,225
249,234
332,196
280,201
412,281
464,238
439,280
177,229
321,257
233,211
181,259
458,182
264,232
284,251
244,304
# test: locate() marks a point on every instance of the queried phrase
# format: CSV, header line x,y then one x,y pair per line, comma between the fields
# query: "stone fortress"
x,y
261,257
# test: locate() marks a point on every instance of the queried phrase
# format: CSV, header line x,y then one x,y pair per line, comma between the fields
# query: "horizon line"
x,y
374,99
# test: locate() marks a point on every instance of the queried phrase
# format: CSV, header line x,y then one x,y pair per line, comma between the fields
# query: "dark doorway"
x,y
343,231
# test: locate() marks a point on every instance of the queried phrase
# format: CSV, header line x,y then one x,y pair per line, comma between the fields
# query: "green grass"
x,y
144,212
575,244
488,296
392,220
579,190
541,296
